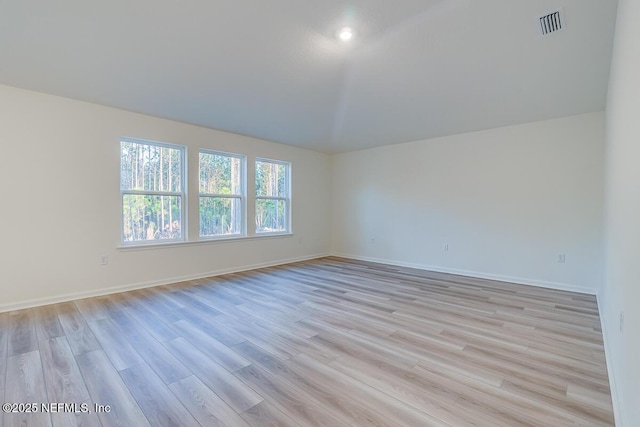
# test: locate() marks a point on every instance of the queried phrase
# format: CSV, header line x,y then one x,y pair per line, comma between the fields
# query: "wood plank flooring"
x,y
328,342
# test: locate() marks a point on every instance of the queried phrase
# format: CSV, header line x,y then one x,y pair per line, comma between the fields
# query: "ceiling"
x,y
415,69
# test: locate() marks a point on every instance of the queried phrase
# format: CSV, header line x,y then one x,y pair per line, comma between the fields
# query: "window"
x,y
221,194
152,190
272,196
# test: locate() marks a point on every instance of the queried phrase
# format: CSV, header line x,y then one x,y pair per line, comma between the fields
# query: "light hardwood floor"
x,y
328,342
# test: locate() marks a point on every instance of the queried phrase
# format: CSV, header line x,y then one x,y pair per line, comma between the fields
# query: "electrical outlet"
x,y
560,257
621,321
445,247
373,240
104,260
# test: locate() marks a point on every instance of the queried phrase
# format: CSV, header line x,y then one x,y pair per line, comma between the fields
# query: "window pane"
x,y
220,216
271,179
220,174
150,217
270,215
147,167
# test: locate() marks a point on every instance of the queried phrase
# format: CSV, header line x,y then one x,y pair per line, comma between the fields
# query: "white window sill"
x,y
202,241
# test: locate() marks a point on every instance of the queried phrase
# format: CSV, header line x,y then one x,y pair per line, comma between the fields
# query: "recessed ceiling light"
x,y
345,34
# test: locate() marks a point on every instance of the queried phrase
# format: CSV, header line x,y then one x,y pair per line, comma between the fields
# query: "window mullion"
x,y
152,193
271,198
222,196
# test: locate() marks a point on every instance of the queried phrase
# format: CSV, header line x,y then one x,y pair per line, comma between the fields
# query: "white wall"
x,y
507,201
622,215
59,169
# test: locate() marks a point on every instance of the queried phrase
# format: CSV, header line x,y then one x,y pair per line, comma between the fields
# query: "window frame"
x,y
184,201
286,199
242,196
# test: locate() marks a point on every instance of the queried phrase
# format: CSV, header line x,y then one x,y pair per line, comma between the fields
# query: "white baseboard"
x,y
545,284
608,351
129,287
133,286
476,274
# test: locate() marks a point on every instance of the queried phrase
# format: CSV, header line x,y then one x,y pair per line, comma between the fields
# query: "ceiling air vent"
x,y
551,23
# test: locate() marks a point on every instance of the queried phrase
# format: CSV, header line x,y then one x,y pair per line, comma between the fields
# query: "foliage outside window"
x,y
272,196
221,194
152,190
